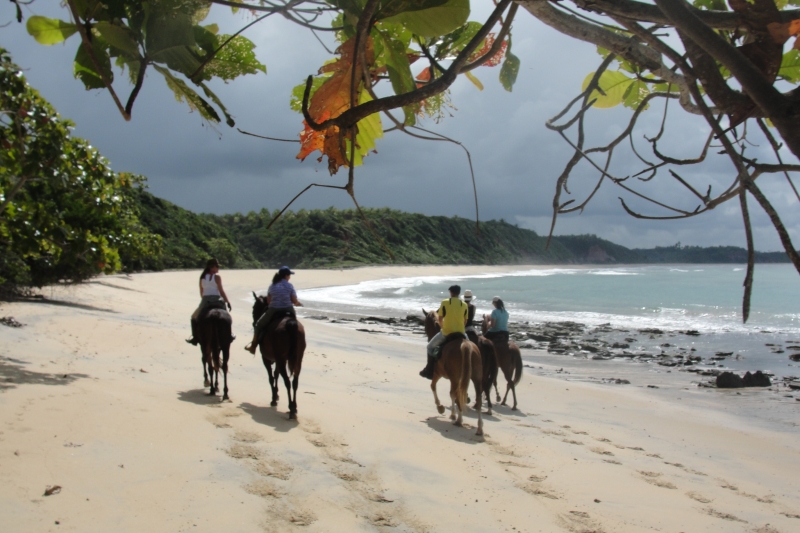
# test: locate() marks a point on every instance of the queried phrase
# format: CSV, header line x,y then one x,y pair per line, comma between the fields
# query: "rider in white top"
x,y
211,293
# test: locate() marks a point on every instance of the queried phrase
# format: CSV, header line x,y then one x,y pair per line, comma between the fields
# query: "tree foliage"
x,y
732,63
64,216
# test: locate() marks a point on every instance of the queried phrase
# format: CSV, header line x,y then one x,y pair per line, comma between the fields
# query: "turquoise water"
x,y
702,297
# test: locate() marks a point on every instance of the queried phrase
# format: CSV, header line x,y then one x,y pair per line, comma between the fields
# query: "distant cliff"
x,y
335,238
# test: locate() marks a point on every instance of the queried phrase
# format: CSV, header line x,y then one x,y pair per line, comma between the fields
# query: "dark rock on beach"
x,y
759,379
795,357
729,380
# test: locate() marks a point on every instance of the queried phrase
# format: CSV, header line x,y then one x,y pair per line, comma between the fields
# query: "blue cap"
x,y
285,270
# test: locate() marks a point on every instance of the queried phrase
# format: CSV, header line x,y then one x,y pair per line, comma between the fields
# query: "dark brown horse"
x,y
214,332
460,362
488,359
510,362
283,345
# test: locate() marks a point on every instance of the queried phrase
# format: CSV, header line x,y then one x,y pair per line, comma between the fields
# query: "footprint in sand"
x,y
576,442
243,451
534,490
553,432
723,516
274,468
264,489
653,479
698,497
578,522
600,451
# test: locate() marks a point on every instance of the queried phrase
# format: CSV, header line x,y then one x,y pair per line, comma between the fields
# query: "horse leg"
x,y
496,391
439,406
225,357
293,403
479,394
509,387
206,382
456,402
273,381
285,375
514,394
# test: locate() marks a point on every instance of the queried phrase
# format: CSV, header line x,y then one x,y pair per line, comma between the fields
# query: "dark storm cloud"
x,y
516,159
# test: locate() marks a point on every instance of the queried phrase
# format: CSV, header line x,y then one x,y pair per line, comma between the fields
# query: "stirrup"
x,y
192,341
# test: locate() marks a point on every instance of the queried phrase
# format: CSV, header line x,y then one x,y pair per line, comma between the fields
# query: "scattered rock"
x,y
759,379
11,322
692,333
50,490
729,380
795,357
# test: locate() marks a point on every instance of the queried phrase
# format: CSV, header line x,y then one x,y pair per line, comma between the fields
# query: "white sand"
x,y
101,396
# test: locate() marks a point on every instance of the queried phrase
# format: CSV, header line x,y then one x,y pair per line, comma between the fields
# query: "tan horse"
x,y
460,362
510,362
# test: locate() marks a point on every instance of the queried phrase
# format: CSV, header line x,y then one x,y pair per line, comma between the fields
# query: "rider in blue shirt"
x,y
498,321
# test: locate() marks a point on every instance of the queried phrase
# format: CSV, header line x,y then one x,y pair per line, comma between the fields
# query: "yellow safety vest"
x,y
453,312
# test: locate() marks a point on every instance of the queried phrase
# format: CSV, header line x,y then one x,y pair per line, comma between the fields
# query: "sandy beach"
x,y
100,395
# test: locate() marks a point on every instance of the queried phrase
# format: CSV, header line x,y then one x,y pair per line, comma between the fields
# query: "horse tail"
x,y
214,344
466,374
291,357
517,364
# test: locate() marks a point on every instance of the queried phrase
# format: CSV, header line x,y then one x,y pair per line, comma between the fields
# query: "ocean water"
x,y
674,299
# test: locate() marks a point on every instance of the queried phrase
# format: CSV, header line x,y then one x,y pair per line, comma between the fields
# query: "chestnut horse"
x,y
214,336
510,362
283,345
460,362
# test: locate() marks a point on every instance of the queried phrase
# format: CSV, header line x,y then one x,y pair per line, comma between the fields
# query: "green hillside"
x,y
338,237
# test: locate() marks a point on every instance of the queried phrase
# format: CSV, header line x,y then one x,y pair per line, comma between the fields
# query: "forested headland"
x,y
339,238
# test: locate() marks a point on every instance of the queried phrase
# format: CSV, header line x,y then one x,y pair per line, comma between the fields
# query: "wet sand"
x,y
100,396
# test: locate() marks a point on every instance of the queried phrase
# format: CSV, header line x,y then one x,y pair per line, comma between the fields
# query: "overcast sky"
x,y
516,159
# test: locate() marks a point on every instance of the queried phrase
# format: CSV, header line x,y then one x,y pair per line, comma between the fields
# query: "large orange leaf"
x,y
496,59
331,100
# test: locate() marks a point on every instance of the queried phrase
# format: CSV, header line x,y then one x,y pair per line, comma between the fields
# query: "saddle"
x,y
447,340
204,313
497,336
275,321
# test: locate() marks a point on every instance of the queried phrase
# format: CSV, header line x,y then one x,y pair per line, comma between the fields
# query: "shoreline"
x,y
100,395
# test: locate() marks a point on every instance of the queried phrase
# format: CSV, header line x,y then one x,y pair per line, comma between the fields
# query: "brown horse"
x,y
283,345
460,362
510,362
488,359
214,332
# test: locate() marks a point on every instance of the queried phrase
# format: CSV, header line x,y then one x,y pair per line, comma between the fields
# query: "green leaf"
x,y
395,58
389,8
214,98
369,129
454,42
435,21
711,5
49,31
235,59
119,37
296,103
635,93
184,94
613,83
85,68
475,81
509,70
790,66
170,40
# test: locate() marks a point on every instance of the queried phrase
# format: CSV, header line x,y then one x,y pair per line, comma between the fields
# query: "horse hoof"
x,y
273,403
504,403
206,383
498,398
292,416
514,408
440,408
226,398
489,412
458,423
479,432
468,400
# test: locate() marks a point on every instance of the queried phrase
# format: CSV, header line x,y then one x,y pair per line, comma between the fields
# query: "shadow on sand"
x,y
269,416
199,397
63,303
12,374
447,430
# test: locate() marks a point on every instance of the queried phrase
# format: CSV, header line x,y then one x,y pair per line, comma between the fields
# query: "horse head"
x,y
431,324
259,306
485,324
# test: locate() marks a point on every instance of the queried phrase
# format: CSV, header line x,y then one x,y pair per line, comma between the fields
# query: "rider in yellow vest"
x,y
453,314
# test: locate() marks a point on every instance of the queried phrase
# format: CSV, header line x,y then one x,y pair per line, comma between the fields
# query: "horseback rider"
x,y
281,297
470,327
452,317
498,321
212,295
